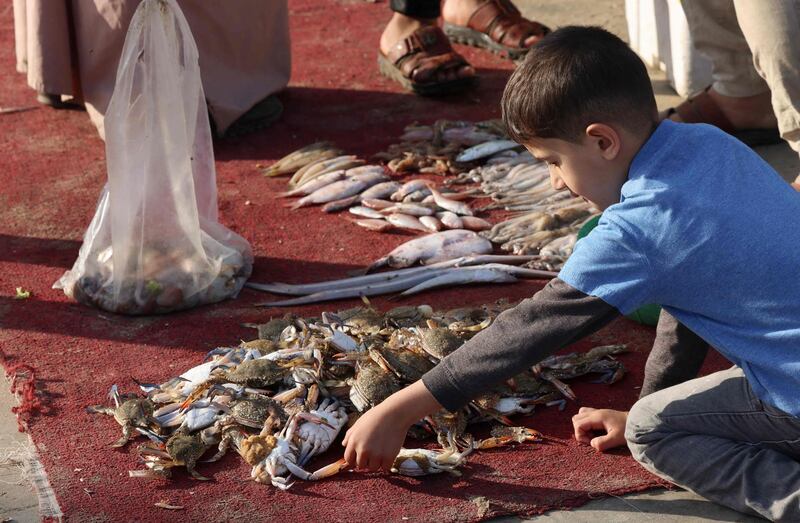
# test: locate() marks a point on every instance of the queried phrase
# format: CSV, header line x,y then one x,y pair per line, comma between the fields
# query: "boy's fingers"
x,y
344,440
606,441
387,464
583,426
350,457
362,460
585,409
375,463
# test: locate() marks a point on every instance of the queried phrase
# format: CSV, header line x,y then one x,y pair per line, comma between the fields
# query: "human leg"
x,y
714,437
772,32
496,25
738,92
415,52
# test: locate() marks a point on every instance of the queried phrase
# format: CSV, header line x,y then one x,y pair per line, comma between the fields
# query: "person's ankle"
x,y
399,27
746,112
458,12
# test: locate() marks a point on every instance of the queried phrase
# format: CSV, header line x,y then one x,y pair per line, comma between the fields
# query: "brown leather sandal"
x,y
426,49
701,108
497,25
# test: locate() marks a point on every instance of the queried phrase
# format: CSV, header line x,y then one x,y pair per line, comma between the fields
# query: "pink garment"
x,y
243,44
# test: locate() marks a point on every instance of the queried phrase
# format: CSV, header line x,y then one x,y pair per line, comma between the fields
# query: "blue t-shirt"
x,y
708,230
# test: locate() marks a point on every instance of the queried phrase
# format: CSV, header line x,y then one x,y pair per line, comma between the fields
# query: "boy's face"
x,y
595,168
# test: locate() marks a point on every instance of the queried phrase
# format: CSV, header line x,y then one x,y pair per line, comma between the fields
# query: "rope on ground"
x,y
23,385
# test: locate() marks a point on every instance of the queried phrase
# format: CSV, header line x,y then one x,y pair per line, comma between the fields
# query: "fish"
x,y
375,203
462,276
450,220
433,224
408,188
366,212
486,149
374,224
341,189
475,224
338,205
380,191
300,158
317,166
411,209
316,183
405,221
434,247
454,206
301,289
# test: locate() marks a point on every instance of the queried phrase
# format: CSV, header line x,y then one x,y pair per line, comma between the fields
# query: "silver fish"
x,y
455,206
341,189
380,191
405,221
339,205
462,276
408,188
475,224
411,209
433,224
366,212
316,166
300,158
316,183
486,149
374,224
450,220
435,247
375,203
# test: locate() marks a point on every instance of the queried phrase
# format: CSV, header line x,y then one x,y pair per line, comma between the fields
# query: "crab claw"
x,y
490,443
325,472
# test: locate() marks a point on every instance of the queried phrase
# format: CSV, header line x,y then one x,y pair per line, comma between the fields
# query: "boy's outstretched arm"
x,y
539,326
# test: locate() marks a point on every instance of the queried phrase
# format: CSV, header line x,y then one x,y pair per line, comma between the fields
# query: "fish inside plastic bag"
x,y
155,244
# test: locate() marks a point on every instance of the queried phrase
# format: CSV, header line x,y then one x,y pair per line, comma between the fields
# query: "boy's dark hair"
x,y
573,77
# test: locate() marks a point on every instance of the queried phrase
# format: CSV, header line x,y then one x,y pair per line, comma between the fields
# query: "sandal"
x,y
426,49
701,108
497,25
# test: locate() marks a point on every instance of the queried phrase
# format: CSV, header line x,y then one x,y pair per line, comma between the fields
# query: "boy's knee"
x,y
642,426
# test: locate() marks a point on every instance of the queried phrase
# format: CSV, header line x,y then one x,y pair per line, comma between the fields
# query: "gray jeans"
x,y
713,436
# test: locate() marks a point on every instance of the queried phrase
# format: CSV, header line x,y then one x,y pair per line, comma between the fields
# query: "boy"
x,y
694,221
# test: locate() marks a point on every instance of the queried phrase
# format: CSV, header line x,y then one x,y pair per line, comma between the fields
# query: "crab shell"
x,y
421,462
371,386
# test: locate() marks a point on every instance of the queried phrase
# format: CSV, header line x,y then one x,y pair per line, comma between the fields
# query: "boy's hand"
x,y
587,421
374,441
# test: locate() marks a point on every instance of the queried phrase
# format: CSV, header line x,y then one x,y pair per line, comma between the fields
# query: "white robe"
x,y
243,44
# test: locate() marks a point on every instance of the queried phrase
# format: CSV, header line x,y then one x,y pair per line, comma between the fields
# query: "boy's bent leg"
x,y
713,436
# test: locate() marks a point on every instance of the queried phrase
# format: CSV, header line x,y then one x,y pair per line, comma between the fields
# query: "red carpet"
x,y
51,171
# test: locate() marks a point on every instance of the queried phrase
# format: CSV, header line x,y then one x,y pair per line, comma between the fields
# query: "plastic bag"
x,y
155,244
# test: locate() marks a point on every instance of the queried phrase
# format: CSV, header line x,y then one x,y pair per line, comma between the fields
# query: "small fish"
x,y
338,205
374,203
342,189
316,183
433,248
380,191
450,220
404,221
486,149
300,158
455,206
316,165
366,212
373,224
409,208
408,188
472,223
433,224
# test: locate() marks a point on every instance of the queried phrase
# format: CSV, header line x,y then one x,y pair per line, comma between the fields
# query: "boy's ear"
x,y
605,138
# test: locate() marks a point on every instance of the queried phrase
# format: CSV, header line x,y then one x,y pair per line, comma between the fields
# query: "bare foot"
x,y
749,112
458,12
401,26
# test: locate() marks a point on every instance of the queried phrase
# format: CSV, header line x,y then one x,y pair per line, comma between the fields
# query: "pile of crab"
x,y
282,399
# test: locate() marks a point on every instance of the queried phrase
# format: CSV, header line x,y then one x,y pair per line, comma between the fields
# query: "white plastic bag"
x,y
155,244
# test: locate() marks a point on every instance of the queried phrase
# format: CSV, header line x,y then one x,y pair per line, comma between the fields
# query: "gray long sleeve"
x,y
553,318
677,355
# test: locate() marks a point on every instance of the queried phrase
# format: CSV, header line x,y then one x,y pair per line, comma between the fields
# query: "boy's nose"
x,y
555,182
